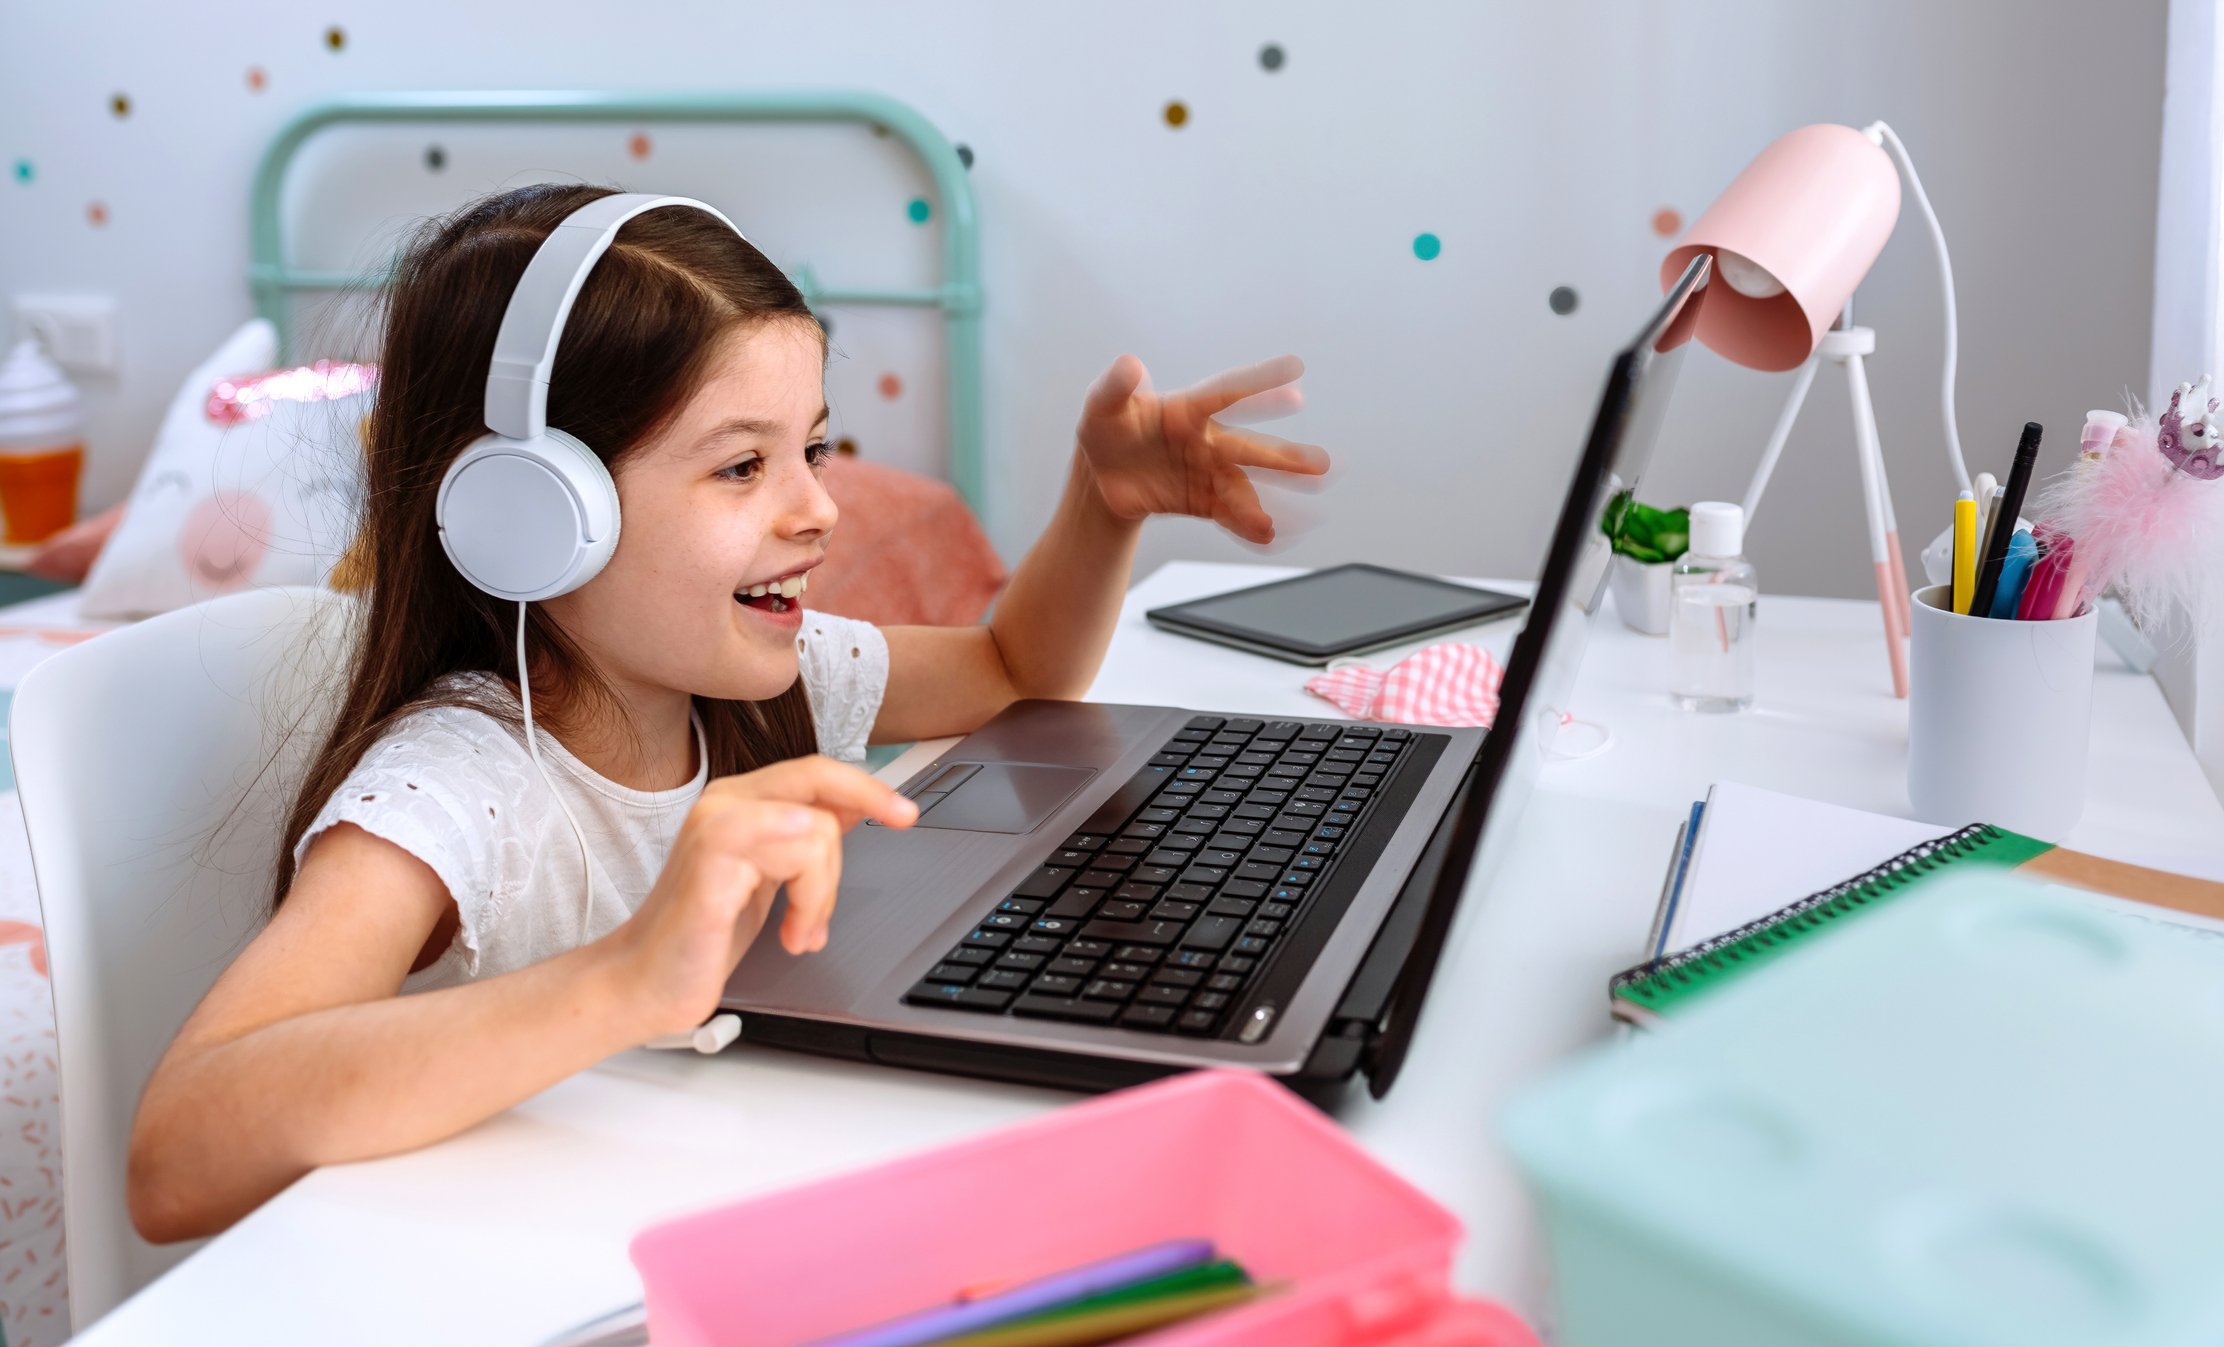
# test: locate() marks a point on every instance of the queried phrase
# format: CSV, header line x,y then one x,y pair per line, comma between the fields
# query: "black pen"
x,y
2004,521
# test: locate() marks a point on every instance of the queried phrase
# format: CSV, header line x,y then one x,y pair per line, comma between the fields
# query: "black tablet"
x,y
1344,610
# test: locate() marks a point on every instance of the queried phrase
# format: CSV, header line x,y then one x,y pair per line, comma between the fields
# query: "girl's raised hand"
x,y
746,837
1176,454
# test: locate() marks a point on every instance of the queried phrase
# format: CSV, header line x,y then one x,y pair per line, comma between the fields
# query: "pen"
x,y
2044,592
2015,574
1965,550
1984,487
2101,428
2072,596
2004,518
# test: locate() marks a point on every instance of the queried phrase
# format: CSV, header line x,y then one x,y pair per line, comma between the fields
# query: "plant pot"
x,y
1641,594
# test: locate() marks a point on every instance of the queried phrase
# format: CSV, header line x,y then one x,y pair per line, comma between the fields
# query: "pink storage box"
x,y
1220,1155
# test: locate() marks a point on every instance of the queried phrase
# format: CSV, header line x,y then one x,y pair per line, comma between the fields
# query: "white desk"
x,y
517,1229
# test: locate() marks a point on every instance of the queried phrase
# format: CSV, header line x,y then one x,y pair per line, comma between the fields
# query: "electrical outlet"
x,y
78,331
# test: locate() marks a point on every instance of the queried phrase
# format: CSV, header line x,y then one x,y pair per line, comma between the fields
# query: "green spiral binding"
x,y
1653,987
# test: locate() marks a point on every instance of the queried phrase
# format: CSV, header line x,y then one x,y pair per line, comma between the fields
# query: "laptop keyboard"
x,y
1162,910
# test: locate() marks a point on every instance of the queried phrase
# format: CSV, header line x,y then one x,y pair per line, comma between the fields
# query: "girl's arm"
x,y
303,1054
1045,639
1137,454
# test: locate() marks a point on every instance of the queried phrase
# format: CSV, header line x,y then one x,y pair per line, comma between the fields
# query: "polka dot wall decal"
x,y
1270,57
1177,113
965,155
845,445
1427,246
640,146
1562,300
257,81
120,104
24,172
891,387
336,38
1667,222
918,210
436,158
97,214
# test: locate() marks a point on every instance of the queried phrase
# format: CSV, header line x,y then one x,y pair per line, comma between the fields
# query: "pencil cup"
x,y
1999,715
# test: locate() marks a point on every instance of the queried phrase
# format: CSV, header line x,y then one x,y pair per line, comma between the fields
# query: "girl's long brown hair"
x,y
632,351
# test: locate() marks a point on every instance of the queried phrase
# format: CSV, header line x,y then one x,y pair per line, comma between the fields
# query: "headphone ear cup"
x,y
527,520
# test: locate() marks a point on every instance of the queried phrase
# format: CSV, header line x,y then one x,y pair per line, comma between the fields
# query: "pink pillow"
x,y
907,551
68,555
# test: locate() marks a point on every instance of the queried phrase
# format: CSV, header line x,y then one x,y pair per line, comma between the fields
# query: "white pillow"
x,y
220,507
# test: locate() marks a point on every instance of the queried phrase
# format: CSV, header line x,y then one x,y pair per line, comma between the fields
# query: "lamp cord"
x,y
533,747
1884,134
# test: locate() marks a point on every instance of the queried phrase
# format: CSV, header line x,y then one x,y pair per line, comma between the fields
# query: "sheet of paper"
x,y
2192,925
1761,850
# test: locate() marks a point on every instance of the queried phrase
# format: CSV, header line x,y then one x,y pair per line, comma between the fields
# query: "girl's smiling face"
x,y
724,498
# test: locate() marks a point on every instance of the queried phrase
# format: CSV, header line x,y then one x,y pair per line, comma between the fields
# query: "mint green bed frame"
x,y
958,295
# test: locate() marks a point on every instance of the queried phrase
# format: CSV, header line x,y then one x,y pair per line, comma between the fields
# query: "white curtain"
x,y
2189,312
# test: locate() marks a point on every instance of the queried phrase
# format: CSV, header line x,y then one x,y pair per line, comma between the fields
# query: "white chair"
x,y
155,765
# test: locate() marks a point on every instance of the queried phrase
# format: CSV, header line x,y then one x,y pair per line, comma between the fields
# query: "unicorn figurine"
x,y
2196,446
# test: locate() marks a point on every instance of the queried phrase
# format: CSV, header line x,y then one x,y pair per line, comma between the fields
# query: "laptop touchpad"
x,y
997,797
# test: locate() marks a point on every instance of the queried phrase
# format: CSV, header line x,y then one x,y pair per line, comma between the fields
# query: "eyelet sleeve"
x,y
435,788
845,673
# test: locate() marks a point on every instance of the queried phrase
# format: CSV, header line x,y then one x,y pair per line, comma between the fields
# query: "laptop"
x,y
1096,895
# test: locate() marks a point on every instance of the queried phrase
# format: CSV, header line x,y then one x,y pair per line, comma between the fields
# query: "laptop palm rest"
x,y
997,797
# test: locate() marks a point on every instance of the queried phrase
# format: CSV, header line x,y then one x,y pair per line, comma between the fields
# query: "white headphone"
x,y
525,512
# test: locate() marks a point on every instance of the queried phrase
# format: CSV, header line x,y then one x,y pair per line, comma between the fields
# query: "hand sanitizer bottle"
x,y
1713,596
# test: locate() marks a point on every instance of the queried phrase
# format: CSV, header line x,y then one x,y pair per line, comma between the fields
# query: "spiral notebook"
x,y
1745,849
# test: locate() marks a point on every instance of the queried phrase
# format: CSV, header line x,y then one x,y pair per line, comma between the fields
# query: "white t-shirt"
x,y
456,788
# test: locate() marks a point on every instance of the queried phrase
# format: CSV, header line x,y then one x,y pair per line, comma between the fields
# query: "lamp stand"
x,y
1848,346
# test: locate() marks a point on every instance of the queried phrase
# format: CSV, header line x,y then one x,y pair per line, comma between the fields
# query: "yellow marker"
x,y
1965,552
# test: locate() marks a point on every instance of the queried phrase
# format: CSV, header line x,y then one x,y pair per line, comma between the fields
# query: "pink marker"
x,y
2073,587
2041,595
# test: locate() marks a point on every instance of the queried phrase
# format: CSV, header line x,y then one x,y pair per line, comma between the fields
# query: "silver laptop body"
x,y
910,897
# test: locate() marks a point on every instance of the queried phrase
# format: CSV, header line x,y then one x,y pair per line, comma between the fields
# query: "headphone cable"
x,y
532,746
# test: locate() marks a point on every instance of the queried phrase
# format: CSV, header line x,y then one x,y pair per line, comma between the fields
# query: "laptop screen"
x,y
1540,674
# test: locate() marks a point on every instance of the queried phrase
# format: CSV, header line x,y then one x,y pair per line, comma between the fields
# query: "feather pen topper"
x,y
2145,521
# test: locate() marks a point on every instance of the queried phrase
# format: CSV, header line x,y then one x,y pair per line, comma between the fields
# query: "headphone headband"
x,y
525,348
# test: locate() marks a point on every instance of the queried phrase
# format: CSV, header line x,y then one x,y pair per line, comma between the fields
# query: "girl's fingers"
x,y
744,827
1229,387
1114,387
746,848
1293,514
1257,449
1290,483
712,866
811,894
837,787
1237,508
1288,400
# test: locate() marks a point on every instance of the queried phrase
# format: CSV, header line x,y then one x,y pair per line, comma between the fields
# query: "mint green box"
x,y
1991,1114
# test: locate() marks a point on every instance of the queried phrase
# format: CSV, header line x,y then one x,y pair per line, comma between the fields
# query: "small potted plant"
x,y
1647,542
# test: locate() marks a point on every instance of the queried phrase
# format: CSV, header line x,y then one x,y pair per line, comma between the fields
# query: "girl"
x,y
683,699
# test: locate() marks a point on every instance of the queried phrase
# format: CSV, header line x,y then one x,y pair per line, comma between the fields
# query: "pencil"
x,y
2004,519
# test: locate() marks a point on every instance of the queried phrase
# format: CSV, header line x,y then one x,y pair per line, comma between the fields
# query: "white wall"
x,y
1537,140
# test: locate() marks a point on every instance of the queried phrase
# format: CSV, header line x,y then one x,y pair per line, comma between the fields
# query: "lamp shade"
x,y
1804,220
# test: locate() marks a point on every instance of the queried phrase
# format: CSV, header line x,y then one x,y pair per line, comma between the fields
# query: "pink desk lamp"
x,y
1792,238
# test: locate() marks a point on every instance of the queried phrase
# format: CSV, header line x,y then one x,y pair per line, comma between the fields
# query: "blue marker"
x,y
2015,573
